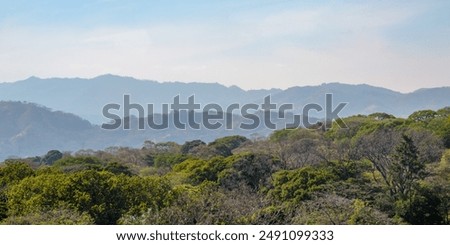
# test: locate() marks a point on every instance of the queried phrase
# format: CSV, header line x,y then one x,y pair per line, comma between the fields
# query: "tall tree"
x,y
406,169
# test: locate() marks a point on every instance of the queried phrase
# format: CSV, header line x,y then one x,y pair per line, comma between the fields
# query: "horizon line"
x,y
218,83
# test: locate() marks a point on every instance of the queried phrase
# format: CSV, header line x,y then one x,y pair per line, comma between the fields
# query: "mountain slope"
x,y
28,129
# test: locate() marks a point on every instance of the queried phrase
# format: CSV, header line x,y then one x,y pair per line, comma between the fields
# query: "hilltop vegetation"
x,y
379,170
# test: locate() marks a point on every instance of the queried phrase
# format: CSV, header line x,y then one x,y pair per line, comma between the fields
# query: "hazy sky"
x,y
253,44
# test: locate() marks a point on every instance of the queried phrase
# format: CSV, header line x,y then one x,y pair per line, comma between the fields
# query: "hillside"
x,y
28,129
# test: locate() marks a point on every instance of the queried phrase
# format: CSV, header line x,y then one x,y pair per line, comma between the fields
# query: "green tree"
x,y
97,194
199,170
167,160
224,146
250,169
423,207
406,170
51,157
297,185
445,132
424,116
13,172
38,193
190,145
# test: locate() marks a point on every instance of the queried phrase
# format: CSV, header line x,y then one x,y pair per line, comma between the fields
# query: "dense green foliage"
x,y
379,170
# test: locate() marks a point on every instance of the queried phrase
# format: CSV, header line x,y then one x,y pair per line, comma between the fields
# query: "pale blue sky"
x,y
252,44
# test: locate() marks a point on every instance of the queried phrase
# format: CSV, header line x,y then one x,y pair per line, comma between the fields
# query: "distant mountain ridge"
x,y
86,97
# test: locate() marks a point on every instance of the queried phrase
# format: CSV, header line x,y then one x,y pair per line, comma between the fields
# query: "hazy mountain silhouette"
x,y
86,97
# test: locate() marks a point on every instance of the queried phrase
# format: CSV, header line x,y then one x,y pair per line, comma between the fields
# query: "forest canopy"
x,y
379,170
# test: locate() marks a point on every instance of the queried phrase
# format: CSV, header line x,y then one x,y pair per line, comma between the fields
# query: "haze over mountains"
x,y
72,123
86,97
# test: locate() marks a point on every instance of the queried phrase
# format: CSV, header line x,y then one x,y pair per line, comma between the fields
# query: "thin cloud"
x,y
251,49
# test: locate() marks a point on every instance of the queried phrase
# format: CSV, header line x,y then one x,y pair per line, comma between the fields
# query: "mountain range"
x,y
87,97
28,126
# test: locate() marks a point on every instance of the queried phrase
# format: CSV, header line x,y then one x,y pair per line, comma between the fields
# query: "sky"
x,y
400,45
